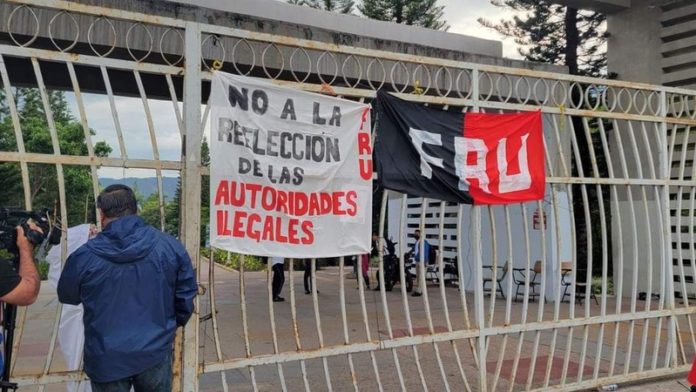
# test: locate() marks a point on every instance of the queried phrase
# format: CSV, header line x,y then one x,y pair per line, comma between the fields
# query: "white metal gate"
x,y
633,195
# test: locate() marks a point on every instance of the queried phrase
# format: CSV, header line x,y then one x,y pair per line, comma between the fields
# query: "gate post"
x,y
191,192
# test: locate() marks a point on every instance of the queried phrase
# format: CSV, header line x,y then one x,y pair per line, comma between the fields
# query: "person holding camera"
x,y
137,286
20,287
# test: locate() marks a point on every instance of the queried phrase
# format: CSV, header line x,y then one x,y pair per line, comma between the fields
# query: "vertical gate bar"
x,y
525,299
573,245
245,321
19,139
557,241
383,294
153,142
557,297
443,293
494,272
541,297
508,301
192,193
478,297
402,283
175,103
658,196
618,280
571,301
344,320
16,125
605,244
213,313
460,255
588,225
646,209
665,167
295,327
462,287
363,307
48,111
114,112
478,277
317,318
271,316
423,286
206,114
634,294
88,136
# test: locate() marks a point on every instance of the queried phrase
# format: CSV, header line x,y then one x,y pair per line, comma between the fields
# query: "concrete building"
x,y
660,33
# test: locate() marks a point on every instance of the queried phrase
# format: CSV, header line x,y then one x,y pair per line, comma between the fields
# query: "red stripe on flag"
x,y
504,157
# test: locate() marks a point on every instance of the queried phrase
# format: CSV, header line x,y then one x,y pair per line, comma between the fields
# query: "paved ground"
x,y
578,353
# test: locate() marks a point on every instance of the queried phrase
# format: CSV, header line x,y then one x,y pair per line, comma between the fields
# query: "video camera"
x,y
10,218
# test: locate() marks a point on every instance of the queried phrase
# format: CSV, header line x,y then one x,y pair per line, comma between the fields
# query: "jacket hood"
x,y
124,240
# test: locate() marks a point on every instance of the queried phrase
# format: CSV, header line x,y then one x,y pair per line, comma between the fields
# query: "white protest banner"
x,y
290,171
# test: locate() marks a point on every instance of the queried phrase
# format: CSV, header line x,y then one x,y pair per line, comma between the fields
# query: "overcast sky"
x,y
462,17
460,14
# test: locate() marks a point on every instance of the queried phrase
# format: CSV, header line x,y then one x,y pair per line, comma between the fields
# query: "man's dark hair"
x,y
117,201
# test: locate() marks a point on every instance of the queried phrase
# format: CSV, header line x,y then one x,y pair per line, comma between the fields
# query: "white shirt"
x,y
383,245
277,260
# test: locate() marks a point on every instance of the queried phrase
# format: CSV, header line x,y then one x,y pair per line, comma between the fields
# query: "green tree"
x,y
150,209
43,178
173,208
205,191
424,13
342,6
549,33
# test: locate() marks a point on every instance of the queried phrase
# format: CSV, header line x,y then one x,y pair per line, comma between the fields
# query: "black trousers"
x,y
278,279
308,276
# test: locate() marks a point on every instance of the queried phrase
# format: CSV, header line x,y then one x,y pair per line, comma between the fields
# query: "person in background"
x,y
278,277
421,261
71,331
365,270
308,277
137,286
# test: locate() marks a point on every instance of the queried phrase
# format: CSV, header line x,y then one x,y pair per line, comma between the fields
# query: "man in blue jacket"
x,y
137,286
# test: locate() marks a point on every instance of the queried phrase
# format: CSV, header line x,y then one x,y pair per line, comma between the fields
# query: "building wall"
x,y
678,47
634,43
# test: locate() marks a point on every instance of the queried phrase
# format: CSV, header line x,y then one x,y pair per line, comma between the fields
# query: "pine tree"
x,y
555,34
424,13
173,208
342,6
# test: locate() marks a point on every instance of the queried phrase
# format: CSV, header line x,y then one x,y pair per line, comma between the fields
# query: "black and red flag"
x,y
473,158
